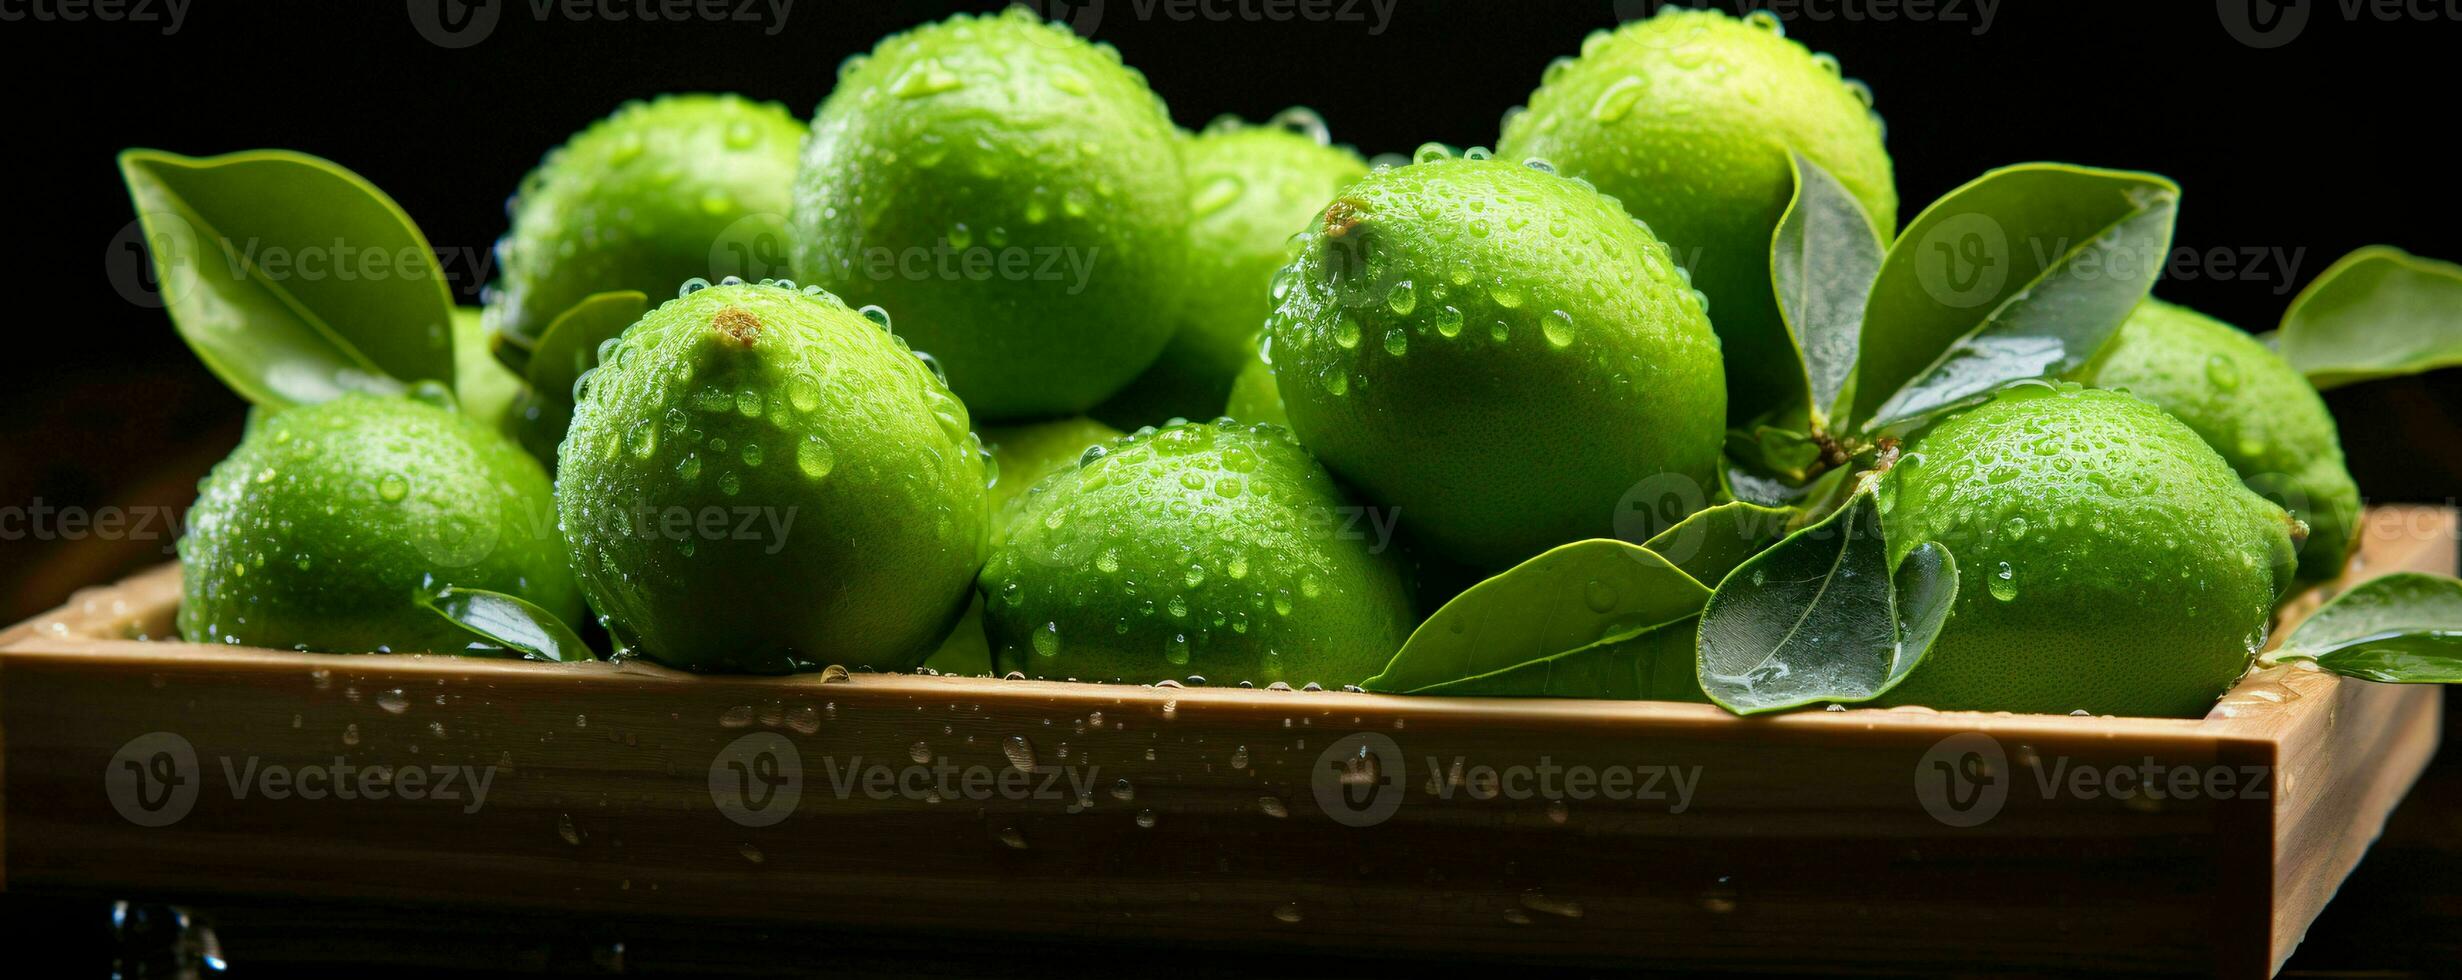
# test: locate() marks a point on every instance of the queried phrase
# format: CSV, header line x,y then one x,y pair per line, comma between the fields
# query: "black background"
x,y
2336,138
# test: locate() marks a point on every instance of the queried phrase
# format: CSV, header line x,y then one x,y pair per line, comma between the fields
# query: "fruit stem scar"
x,y
737,324
1342,216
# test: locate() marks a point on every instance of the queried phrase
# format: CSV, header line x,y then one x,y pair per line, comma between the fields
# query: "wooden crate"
x,y
1899,840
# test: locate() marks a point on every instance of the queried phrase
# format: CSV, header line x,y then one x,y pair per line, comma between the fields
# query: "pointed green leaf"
x,y
2379,312
1823,258
1656,665
569,345
503,622
1571,597
2023,273
1714,540
293,279
2404,628
1819,617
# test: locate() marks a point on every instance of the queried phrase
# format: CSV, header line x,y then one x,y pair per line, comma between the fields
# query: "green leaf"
x,y
293,279
2404,628
505,622
2379,312
1820,618
1574,596
1656,665
569,345
1714,540
1823,259
2023,273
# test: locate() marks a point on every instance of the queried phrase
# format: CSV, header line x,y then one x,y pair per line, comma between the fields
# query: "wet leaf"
x,y
2379,312
1579,595
503,622
1656,665
1823,259
2404,628
569,345
1714,540
2023,273
1819,617
292,278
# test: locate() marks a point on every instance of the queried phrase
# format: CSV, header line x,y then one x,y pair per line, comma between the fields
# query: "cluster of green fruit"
x,y
1661,375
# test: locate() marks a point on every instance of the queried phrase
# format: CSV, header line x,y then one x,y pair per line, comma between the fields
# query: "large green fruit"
x,y
1014,195
1253,188
2109,561
320,530
684,187
1212,549
1498,353
2253,408
1687,117
758,478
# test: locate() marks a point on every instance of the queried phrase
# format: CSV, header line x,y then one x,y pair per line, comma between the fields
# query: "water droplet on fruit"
x,y
392,487
1557,326
814,457
1617,99
2004,583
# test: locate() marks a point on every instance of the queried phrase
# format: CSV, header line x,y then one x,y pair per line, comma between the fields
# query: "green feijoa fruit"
x,y
758,478
2252,407
1251,189
1022,455
1687,117
1212,549
1499,354
660,192
1015,195
2109,561
326,524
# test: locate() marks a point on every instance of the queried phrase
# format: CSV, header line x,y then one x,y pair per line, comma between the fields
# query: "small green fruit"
x,y
684,187
1254,396
1252,188
2108,560
1211,549
1498,353
761,479
1687,118
1022,455
2252,407
321,528
1015,195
